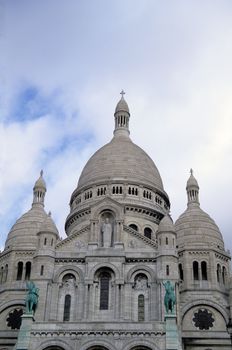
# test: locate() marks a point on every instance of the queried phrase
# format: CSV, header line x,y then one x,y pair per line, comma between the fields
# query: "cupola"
x,y
121,117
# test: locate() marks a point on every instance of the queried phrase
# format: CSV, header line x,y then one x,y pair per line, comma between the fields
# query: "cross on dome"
x,y
191,171
122,93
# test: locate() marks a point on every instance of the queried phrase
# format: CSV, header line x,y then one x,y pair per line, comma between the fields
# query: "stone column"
x,y
122,298
91,302
93,236
154,312
54,301
24,335
117,235
172,334
127,298
117,302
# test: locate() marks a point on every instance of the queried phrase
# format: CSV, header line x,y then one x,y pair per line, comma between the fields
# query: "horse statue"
x,y
32,297
169,298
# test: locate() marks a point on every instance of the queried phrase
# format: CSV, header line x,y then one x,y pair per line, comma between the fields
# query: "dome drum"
x,y
122,192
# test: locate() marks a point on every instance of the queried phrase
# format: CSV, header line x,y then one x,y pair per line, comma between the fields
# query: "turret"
x,y
39,191
121,117
166,237
192,189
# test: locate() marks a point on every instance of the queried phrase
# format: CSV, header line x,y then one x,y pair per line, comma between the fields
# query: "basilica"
x,y
126,277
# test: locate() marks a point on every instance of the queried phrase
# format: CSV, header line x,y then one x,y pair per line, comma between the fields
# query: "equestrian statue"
x,y
169,298
31,298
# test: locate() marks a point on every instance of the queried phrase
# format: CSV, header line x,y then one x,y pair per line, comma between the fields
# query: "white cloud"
x,y
172,58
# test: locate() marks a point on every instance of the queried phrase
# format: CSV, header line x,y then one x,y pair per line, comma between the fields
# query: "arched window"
x,y
1,275
45,241
28,270
19,271
41,270
167,270
141,313
134,227
147,232
224,275
67,307
181,272
218,273
204,270
166,241
195,271
6,273
104,290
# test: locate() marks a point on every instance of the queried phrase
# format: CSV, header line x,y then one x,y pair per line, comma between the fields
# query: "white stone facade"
x,y
102,287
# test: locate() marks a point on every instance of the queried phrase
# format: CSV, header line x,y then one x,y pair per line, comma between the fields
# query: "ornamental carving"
x,y
203,319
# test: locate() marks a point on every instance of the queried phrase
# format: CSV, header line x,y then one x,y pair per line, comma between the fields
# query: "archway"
x,y
97,347
54,347
140,347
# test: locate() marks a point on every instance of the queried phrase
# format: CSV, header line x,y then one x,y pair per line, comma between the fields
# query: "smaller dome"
x,y
40,183
48,225
194,225
24,231
122,105
166,225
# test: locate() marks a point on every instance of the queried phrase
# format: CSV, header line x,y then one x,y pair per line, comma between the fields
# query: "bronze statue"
x,y
32,297
169,298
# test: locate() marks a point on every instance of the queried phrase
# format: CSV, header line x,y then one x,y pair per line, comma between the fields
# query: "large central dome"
x,y
121,159
122,171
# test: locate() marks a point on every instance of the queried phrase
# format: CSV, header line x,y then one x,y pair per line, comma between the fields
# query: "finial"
x,y
191,171
41,172
122,93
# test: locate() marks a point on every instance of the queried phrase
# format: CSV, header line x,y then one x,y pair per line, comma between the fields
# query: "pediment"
x,y
76,242
107,203
135,240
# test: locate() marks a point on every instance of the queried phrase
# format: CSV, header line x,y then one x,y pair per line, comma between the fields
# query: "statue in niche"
x,y
107,233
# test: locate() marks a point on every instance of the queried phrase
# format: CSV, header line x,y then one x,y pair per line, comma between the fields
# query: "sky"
x,y
62,67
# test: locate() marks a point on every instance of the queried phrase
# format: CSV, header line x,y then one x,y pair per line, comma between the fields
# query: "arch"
x,y
28,270
103,266
147,232
219,271
12,303
54,347
195,271
202,302
54,344
104,279
149,273
138,344
67,307
134,227
141,308
204,272
224,275
19,271
68,269
107,204
5,274
181,272
98,344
